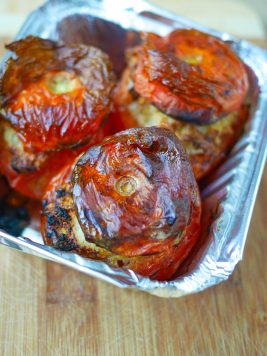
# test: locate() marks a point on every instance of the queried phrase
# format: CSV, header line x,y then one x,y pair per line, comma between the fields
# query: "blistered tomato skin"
x,y
55,96
31,172
206,145
135,193
54,103
132,202
190,75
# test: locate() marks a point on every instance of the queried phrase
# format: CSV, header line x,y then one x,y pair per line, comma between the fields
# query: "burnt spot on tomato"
x,y
52,220
62,242
63,214
61,192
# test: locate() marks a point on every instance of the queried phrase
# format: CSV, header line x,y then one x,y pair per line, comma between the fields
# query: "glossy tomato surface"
x,y
55,96
54,102
189,75
206,145
133,202
30,173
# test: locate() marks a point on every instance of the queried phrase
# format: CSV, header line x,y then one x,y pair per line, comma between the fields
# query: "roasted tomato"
x,y
30,173
132,201
189,75
55,96
206,145
54,101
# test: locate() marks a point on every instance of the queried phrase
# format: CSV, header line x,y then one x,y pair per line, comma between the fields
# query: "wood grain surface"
x,y
48,309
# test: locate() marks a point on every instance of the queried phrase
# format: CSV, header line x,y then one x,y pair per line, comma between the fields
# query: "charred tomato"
x,y
54,102
55,96
132,201
189,75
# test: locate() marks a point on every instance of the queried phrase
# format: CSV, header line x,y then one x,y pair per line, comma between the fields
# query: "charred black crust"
x,y
63,243
58,229
55,219
63,214
61,192
52,220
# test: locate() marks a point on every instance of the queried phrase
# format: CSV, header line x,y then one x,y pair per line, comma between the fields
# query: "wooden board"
x,y
48,309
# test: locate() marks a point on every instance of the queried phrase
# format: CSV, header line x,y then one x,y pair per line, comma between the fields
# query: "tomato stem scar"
x,y
62,82
126,185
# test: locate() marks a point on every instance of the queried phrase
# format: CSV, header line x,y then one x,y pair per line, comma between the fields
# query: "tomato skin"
x,y
189,75
54,103
56,96
207,146
142,178
33,184
147,96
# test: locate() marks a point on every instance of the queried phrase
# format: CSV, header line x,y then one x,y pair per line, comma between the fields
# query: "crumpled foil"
x,y
228,194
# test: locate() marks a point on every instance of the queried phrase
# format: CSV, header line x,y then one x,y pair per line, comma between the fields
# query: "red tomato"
x,y
190,75
133,202
56,96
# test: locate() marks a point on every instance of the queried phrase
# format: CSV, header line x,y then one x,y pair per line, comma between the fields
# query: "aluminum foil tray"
x,y
228,195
